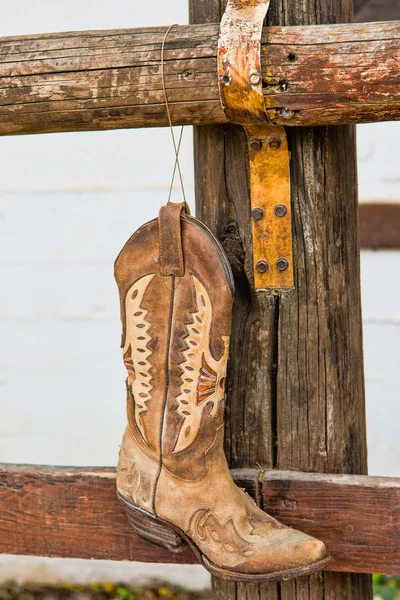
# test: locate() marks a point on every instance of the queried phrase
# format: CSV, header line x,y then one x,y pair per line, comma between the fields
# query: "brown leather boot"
x,y
176,292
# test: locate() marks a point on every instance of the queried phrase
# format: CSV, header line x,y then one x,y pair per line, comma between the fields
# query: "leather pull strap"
x,y
170,238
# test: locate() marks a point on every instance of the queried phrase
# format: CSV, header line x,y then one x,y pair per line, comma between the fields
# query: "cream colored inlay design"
x,y
136,352
206,527
202,378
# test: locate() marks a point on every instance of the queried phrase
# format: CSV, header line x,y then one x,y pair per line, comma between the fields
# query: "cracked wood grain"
x,y
80,81
295,381
74,512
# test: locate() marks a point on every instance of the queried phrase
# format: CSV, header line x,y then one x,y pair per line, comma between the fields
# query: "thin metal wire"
x,y
174,171
176,148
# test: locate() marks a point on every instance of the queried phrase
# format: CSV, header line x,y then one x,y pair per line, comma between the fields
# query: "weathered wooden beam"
x,y
70,513
74,512
358,517
380,226
295,381
111,79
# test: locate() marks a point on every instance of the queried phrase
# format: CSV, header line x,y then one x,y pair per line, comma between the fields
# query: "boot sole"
x,y
165,534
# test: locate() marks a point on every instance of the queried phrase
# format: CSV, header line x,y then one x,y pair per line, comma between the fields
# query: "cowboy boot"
x,y
176,291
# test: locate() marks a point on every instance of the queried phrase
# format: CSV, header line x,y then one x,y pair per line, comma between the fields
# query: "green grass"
x,y
385,587
103,591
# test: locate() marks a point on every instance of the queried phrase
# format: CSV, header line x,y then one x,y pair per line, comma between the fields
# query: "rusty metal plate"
x,y
270,207
239,62
241,91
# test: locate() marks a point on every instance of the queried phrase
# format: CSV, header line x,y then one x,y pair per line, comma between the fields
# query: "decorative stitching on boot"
x,y
202,377
136,351
205,526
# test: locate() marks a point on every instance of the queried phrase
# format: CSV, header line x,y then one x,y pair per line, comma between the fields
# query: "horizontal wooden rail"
x,y
380,225
73,512
326,74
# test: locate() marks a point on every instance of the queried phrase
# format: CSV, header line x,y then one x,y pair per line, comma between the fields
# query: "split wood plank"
x,y
295,359
74,512
75,81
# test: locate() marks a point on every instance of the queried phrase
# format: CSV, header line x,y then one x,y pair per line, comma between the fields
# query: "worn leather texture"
x,y
176,310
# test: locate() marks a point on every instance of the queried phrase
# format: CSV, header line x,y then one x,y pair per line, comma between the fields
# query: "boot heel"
x,y
153,529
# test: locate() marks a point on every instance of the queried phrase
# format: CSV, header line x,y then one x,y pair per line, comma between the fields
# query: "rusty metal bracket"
x,y
241,92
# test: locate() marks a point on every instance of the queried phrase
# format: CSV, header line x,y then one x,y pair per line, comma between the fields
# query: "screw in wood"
x,y
257,213
226,79
256,145
280,210
274,143
282,264
255,78
262,266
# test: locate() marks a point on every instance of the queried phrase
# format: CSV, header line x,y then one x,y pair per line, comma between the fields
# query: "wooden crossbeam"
x,y
73,512
380,225
326,74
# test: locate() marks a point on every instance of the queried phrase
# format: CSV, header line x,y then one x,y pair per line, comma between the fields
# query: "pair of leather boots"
x,y
176,290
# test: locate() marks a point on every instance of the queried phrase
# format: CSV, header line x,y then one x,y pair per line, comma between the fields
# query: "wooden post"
x,y
296,384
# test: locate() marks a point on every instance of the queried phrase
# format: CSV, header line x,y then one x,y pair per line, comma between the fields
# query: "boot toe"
x,y
315,550
290,550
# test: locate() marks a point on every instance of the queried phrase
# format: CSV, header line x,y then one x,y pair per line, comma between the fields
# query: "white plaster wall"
x,y
68,202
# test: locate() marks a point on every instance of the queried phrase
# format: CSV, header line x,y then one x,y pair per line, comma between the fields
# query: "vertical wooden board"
x,y
223,203
294,377
320,385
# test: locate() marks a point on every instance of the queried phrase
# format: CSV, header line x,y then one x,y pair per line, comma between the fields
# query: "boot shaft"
x,y
176,292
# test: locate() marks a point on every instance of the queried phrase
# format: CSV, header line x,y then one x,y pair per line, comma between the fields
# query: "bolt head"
x,y
255,78
280,210
262,266
257,213
282,264
256,145
274,143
